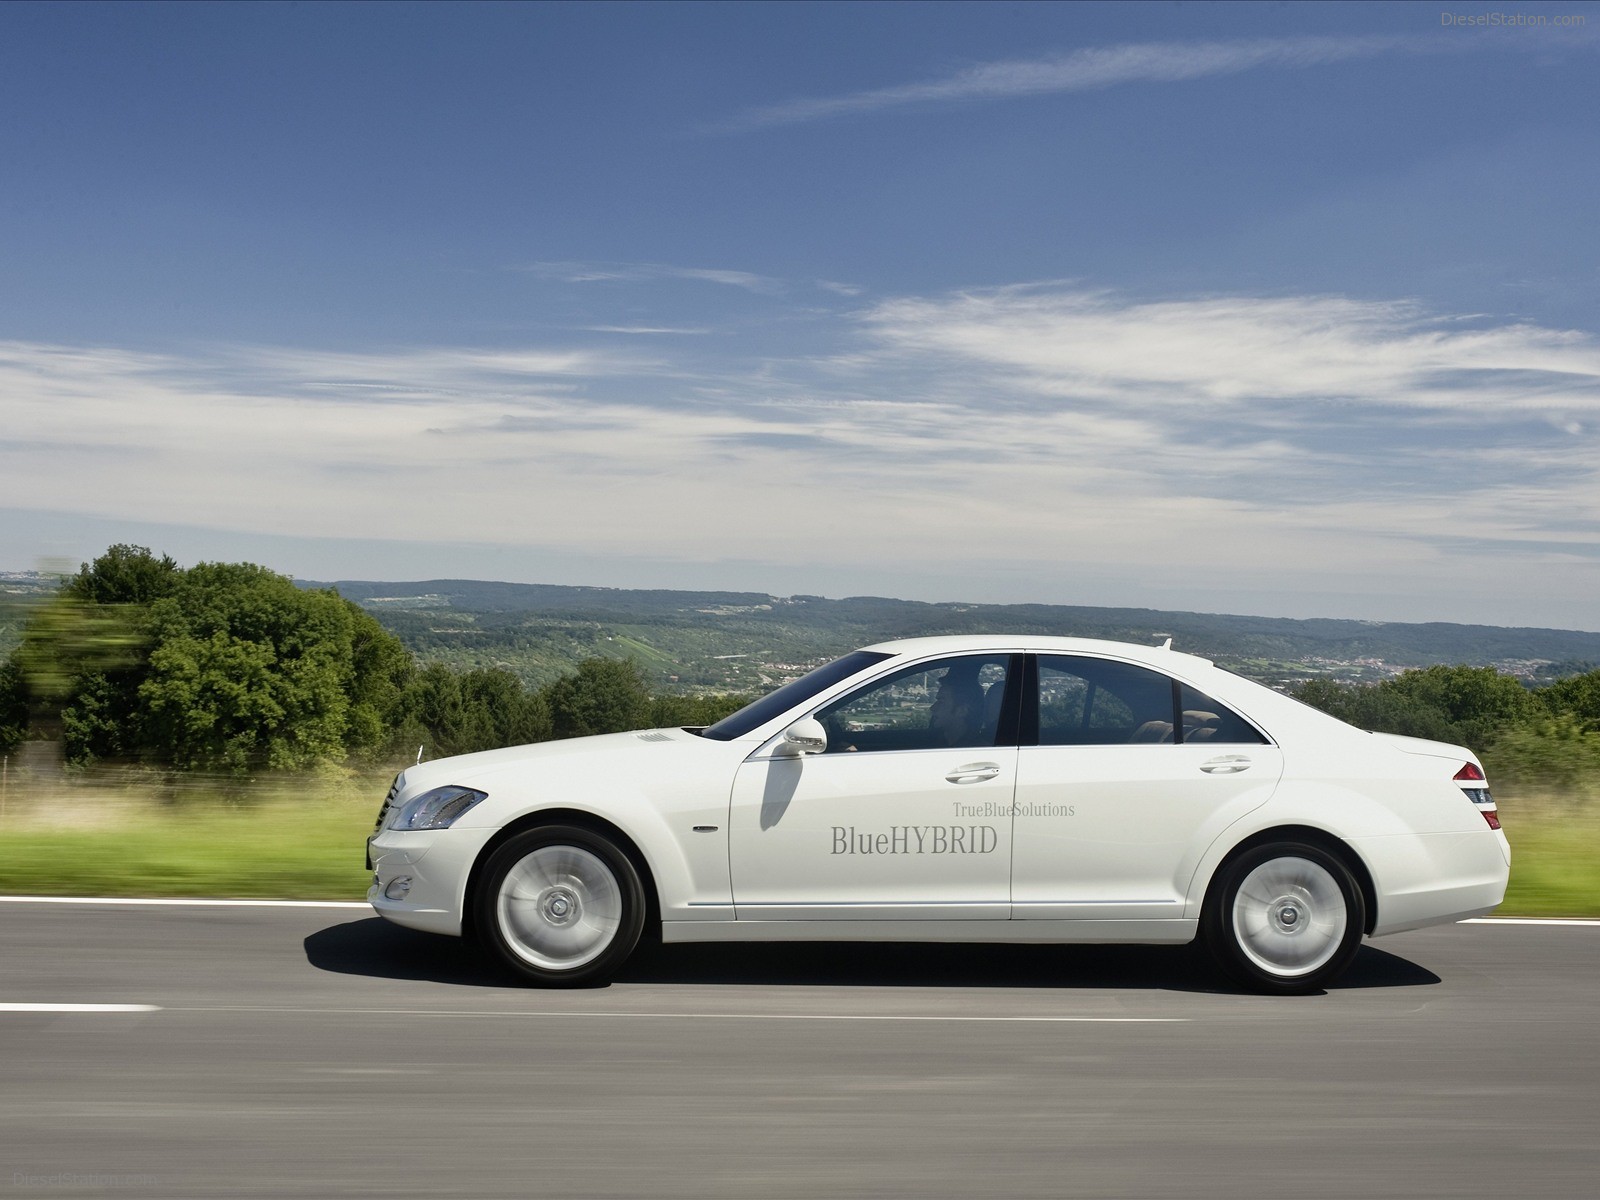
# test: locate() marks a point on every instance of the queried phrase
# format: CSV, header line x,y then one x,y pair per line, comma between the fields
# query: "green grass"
x,y
1555,858
302,840
296,839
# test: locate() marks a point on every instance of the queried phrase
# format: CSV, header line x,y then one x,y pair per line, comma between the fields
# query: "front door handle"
x,y
974,773
1226,764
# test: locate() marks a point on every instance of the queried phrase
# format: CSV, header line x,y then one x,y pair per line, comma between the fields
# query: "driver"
x,y
957,712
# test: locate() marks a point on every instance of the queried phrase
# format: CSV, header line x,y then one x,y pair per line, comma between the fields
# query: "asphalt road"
x,y
321,1052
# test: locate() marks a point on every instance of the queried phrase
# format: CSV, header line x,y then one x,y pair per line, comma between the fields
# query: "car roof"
x,y
1155,656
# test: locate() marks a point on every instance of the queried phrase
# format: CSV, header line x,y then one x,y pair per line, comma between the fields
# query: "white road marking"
x,y
80,1008
672,1016
186,902
1528,921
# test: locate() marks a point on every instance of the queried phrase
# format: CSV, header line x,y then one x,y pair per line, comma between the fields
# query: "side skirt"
x,y
1147,932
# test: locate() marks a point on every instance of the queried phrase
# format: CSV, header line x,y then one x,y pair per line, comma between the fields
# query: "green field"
x,y
298,839
302,840
1555,857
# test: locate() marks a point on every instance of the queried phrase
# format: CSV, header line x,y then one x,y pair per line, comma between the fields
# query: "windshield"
x,y
797,692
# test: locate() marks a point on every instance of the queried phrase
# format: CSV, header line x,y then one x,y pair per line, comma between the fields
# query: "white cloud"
x,y
1221,351
1085,70
1043,433
646,329
582,272
1096,67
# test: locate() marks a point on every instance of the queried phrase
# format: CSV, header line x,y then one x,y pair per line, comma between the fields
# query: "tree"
x,y
1577,696
13,705
124,574
474,710
83,652
1479,702
1470,706
693,710
1371,707
225,666
250,672
605,695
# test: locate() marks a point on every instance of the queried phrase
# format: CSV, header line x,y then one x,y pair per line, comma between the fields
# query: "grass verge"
x,y
302,840
1555,859
288,839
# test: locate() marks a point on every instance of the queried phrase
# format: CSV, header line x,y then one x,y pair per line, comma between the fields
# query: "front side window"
x,y
947,703
795,692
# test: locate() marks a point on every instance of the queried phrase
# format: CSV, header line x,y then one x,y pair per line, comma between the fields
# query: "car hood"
x,y
466,768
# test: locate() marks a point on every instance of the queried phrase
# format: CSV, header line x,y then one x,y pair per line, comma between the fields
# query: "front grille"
x,y
388,802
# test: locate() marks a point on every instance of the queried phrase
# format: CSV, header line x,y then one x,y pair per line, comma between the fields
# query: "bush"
x,y
1559,753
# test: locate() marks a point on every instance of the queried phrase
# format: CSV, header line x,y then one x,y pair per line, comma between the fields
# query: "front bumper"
x,y
437,862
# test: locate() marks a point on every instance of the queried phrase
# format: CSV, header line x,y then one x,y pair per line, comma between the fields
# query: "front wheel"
x,y
1284,918
561,906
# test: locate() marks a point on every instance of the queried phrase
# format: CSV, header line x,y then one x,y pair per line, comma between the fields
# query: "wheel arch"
x,y
1333,844
562,816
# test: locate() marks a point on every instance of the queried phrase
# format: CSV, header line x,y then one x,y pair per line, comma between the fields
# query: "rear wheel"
x,y
1284,918
561,906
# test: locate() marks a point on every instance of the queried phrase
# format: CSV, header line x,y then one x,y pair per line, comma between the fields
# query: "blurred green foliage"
x,y
113,833
232,668
1545,737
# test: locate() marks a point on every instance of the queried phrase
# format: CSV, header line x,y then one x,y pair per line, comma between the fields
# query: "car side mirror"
x,y
805,736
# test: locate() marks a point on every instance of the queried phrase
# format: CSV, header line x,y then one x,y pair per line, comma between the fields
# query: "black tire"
x,y
1284,918
560,906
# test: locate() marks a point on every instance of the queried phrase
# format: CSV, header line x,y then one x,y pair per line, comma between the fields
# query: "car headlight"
x,y
437,809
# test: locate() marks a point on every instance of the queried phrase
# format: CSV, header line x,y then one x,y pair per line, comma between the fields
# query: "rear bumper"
x,y
1437,878
437,864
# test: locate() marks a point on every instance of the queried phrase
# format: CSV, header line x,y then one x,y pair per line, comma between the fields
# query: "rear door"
x,y
1130,776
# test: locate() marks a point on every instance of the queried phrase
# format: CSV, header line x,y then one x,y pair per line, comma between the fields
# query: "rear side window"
x,y
1098,702
1094,701
1207,720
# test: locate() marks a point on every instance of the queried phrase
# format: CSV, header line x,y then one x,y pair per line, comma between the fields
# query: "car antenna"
x,y
419,757
1166,645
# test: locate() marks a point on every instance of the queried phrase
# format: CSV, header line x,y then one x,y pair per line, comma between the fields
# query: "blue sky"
x,y
1291,310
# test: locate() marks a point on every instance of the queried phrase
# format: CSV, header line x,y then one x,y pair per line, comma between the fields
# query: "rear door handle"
x,y
1226,764
974,773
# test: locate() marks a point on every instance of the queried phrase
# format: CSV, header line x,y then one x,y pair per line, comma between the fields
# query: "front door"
x,y
905,816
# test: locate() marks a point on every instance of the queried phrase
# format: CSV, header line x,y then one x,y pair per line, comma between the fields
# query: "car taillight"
x,y
1480,797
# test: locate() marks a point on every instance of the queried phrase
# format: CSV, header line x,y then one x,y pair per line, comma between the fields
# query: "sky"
x,y
1290,310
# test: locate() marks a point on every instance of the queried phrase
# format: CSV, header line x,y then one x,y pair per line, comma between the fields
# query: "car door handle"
x,y
974,773
1226,764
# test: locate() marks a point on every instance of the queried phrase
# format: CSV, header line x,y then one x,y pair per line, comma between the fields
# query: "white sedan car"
x,y
955,789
